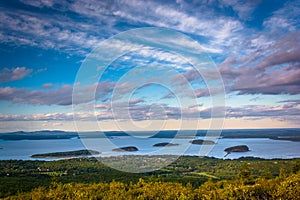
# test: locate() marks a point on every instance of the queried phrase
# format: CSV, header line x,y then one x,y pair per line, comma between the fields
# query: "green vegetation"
x,y
66,154
285,188
190,177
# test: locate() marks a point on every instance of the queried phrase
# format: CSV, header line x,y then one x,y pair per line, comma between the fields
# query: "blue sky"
x,y
253,45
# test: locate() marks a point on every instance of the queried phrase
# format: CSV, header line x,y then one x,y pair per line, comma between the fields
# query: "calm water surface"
x,y
259,147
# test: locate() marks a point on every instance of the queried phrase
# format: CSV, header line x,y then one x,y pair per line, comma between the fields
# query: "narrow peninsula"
x,y
67,154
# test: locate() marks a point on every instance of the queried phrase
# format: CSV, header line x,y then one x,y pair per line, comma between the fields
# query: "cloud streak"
x,y
61,96
138,111
276,71
58,31
14,74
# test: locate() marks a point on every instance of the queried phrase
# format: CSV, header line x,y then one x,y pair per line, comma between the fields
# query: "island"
x,y
67,154
129,148
163,144
239,148
200,142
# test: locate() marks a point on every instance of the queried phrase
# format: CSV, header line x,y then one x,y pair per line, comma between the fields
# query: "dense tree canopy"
x,y
187,178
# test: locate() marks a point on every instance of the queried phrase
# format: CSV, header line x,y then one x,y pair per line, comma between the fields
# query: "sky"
x,y
149,65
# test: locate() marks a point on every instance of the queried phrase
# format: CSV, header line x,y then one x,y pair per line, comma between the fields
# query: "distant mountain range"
x,y
278,134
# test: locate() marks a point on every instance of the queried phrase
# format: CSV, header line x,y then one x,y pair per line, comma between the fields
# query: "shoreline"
x,y
292,134
150,156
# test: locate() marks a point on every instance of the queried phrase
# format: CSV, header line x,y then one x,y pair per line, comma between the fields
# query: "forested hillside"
x,y
188,178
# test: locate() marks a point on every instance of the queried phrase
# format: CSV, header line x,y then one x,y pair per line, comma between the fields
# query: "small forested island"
x,y
78,153
129,148
163,144
199,141
239,148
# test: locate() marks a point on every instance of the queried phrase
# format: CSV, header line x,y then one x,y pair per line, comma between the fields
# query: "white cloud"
x,y
284,19
13,74
98,20
217,27
244,9
61,96
46,31
138,111
41,3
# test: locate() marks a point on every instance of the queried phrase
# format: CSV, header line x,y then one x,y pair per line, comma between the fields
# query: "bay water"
x,y
259,147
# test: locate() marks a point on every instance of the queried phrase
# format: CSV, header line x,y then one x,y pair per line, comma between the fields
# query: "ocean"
x,y
259,147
